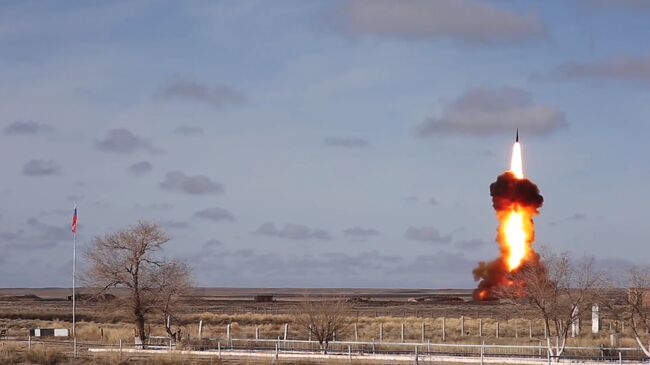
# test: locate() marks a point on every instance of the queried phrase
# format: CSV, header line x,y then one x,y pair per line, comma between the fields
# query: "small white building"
x,y
48,332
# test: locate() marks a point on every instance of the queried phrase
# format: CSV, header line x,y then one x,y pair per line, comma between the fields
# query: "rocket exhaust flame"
x,y
516,200
515,231
516,166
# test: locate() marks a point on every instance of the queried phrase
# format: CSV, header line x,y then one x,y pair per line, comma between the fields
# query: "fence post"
x,y
200,329
480,327
497,327
429,347
462,326
402,333
381,332
120,349
373,345
356,332
482,351
228,331
416,355
444,335
350,353
620,358
286,329
310,332
170,350
257,332
516,329
219,348
530,328
29,343
74,345
423,332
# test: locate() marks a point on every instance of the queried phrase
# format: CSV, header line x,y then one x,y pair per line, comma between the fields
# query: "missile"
x,y
517,136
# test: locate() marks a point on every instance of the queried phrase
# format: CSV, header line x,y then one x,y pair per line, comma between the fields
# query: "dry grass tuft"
x,y
10,354
112,333
43,356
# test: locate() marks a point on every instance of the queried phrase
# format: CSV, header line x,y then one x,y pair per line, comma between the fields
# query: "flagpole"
x,y
74,274
74,271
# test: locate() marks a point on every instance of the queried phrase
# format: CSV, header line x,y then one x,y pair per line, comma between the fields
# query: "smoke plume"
x,y
516,201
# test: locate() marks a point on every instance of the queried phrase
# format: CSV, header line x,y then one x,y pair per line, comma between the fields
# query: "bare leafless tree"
x,y
558,290
633,305
132,259
323,319
174,280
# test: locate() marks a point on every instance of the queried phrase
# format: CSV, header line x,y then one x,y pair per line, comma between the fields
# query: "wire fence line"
x,y
450,349
217,346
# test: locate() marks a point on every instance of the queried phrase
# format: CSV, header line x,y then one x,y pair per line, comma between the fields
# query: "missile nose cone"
x,y
517,136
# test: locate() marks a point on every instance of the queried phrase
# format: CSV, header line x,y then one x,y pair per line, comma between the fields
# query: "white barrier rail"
x,y
398,351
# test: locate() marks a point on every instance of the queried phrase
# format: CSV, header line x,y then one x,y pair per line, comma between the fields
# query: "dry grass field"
x,y
384,311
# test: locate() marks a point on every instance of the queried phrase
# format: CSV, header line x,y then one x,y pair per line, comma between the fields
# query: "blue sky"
x,y
321,143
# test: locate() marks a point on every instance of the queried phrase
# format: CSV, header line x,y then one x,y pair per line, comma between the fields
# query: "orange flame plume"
x,y
516,233
516,200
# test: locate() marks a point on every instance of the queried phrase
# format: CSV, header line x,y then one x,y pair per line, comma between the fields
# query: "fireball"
x,y
515,239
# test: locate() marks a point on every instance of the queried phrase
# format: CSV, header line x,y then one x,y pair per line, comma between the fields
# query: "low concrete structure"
x,y
266,298
48,332
595,318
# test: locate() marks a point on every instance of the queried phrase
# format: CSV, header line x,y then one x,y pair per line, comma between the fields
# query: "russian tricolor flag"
x,y
74,219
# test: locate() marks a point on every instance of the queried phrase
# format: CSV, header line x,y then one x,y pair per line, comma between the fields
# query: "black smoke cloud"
x,y
508,190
